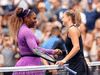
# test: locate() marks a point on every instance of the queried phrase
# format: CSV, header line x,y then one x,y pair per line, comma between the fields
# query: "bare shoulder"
x,y
74,31
94,31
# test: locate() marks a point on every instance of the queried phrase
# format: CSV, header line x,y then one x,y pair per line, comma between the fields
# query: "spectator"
x,y
59,13
55,33
84,3
91,17
73,2
96,5
0,22
54,7
47,31
43,16
96,31
88,43
4,25
18,55
83,33
98,58
59,3
5,4
60,44
34,7
12,7
25,4
47,3
86,56
8,53
96,35
57,23
37,33
1,10
1,62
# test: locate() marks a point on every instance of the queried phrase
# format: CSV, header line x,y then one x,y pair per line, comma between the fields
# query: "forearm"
x,y
28,3
51,62
47,50
45,19
44,61
98,5
17,4
40,42
1,49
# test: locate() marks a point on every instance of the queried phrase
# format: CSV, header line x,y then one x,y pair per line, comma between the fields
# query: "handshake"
x,y
59,53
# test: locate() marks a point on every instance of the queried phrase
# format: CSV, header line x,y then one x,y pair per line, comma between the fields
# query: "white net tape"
x,y
28,68
43,67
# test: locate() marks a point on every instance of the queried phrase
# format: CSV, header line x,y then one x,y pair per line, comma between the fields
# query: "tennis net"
x,y
47,69
36,70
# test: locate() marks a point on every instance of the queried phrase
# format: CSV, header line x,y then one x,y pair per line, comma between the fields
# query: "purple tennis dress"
x,y
26,42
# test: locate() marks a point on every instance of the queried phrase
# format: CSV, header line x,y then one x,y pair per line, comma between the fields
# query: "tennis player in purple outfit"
x,y
19,25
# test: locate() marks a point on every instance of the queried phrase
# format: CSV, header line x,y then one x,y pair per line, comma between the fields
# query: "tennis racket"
x,y
48,57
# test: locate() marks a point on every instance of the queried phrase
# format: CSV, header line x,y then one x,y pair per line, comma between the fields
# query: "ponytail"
x,y
77,18
15,21
75,15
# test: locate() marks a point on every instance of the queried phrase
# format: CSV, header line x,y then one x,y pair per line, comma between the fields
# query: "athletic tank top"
x,y
69,46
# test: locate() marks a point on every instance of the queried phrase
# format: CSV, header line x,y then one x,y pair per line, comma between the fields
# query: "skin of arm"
x,y
27,3
93,33
40,21
17,4
1,49
98,5
31,42
74,35
45,19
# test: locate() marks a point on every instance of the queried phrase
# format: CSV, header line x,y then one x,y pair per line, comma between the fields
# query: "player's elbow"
x,y
77,47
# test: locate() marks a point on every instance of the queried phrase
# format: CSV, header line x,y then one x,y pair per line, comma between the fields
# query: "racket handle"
x,y
68,69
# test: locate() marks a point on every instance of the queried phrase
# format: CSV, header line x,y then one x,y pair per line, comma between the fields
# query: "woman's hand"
x,y
59,63
58,53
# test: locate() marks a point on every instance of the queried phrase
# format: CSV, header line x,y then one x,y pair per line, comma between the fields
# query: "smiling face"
x,y
65,19
32,20
6,41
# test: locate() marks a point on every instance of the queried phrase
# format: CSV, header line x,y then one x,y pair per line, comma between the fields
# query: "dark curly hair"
x,y
15,21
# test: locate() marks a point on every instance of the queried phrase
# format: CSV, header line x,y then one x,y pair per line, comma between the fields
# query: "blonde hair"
x,y
41,4
57,23
14,25
75,15
64,30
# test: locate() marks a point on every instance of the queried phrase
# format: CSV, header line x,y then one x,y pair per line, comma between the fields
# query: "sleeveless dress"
x,y
26,42
77,62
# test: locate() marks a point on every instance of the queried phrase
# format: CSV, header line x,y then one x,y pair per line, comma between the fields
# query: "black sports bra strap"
x,y
74,26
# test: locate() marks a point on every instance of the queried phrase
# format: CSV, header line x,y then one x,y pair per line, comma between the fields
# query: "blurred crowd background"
x,y
49,28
